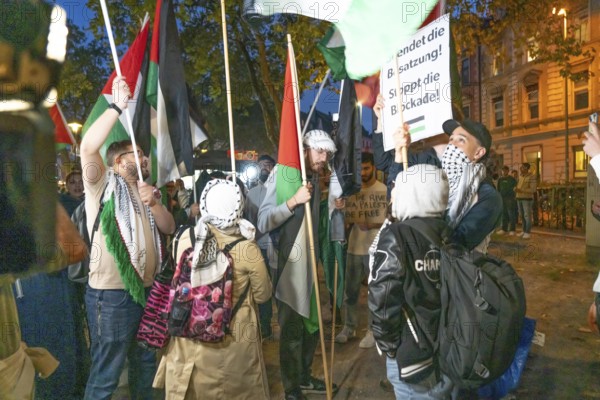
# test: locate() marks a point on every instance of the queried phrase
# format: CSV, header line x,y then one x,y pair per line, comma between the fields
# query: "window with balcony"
x,y
498,109
466,71
533,103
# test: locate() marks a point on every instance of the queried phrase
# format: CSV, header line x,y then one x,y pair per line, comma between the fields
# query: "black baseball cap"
x,y
476,129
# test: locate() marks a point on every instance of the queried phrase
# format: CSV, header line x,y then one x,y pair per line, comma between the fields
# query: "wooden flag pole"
x,y
113,50
228,86
308,214
399,91
335,287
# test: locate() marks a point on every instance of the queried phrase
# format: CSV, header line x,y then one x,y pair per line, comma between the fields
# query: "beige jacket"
x,y
233,369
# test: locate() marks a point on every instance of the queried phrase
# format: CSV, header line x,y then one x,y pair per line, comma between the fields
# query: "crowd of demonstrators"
x,y
297,344
525,192
121,275
474,204
178,201
506,186
254,199
398,287
357,263
233,368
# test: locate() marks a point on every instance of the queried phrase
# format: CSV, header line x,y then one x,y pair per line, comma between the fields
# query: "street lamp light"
x,y
563,12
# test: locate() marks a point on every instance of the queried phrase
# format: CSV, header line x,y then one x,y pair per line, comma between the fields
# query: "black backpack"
x,y
79,271
482,313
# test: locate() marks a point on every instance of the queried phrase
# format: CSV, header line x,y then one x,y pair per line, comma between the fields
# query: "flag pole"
x,y
228,86
398,90
314,104
113,50
308,214
335,287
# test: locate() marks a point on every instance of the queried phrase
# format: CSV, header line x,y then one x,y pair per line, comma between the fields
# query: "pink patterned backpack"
x,y
204,312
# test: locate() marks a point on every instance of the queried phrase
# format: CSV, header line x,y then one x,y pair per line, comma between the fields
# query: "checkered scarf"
x,y
221,205
464,178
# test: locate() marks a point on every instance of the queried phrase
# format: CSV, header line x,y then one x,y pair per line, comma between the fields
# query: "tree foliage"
x,y
530,23
257,57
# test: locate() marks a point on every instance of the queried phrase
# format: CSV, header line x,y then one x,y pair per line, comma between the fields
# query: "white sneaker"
x,y
520,234
511,233
500,232
526,236
368,341
345,335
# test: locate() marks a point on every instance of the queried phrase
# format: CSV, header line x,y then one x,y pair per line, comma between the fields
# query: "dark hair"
x,y
217,175
71,174
526,165
265,157
506,168
115,149
367,158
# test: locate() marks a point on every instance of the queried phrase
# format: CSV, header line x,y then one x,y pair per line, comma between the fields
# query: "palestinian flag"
x,y
62,132
372,31
175,133
132,68
294,284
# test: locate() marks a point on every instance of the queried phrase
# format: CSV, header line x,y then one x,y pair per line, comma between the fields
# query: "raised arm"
x,y
92,142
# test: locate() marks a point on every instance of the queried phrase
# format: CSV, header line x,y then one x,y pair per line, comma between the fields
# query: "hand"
x,y
377,109
340,203
179,184
596,208
194,210
591,143
591,318
121,92
146,194
401,138
302,195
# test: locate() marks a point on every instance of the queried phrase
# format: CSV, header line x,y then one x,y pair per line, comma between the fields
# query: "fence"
x,y
561,207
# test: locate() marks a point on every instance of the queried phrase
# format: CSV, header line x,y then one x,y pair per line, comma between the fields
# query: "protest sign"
x,y
367,207
425,84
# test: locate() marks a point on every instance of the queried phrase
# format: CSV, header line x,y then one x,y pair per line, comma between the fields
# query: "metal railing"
x,y
560,207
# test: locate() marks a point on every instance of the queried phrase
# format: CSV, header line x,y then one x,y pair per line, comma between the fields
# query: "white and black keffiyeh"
x,y
464,178
221,205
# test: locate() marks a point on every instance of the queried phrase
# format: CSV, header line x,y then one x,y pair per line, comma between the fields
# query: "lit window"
x,y
582,32
581,161
532,48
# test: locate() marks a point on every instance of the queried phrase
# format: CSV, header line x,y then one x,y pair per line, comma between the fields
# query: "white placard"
x,y
425,84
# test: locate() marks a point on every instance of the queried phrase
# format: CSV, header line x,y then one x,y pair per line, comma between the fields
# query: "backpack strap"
x,y
238,303
97,221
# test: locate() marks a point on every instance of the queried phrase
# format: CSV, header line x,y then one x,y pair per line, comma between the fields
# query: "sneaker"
x,y
500,232
345,335
520,234
316,386
526,236
368,341
294,395
511,233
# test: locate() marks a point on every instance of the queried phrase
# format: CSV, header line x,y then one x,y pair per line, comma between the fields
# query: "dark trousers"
x,y
509,216
296,348
265,310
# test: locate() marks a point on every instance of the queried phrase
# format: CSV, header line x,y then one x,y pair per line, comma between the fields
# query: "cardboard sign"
x,y
425,84
366,208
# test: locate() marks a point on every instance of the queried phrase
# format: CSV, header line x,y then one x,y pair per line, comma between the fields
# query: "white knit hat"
x,y
420,191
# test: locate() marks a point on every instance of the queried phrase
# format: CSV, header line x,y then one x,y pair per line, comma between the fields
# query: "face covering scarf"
x,y
464,178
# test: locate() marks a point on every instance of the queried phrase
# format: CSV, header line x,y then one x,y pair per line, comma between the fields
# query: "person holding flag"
x,y
285,212
128,254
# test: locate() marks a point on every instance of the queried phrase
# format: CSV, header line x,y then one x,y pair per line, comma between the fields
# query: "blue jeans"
x,y
429,389
526,212
509,218
113,318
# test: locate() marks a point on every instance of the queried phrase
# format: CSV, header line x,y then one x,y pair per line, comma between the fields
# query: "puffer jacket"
x,y
404,297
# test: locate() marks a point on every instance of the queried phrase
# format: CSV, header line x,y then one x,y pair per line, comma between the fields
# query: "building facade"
x,y
523,103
